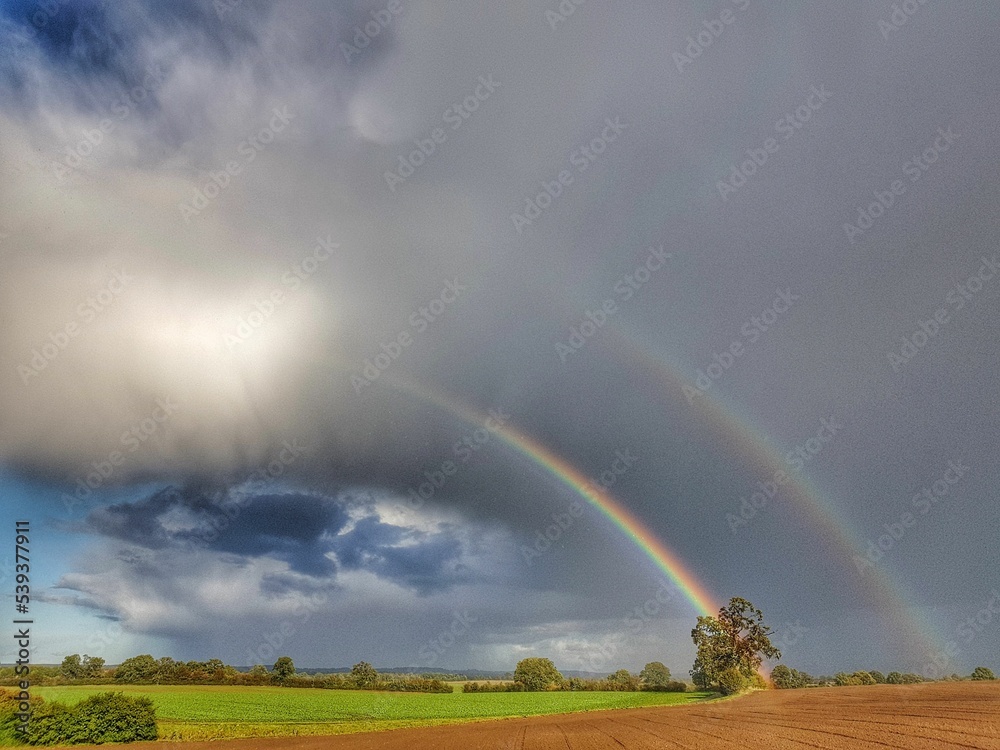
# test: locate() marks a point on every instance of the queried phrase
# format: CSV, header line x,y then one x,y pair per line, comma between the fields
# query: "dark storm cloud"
x,y
315,536
777,224
427,562
288,527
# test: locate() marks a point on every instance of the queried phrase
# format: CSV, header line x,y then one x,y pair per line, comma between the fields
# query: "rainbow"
x,y
749,446
662,556
755,449
665,559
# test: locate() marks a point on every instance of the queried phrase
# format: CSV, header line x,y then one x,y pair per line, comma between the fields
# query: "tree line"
x,y
731,648
538,673
784,678
144,669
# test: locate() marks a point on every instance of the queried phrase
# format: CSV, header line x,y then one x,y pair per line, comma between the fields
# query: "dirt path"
x,y
934,716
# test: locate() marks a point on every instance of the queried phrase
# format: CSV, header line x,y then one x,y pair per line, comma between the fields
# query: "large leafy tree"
x,y
364,674
536,673
71,667
782,677
655,674
733,643
92,666
283,668
624,680
142,668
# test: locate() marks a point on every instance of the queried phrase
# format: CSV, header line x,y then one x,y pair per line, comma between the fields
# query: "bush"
x,y
105,717
731,681
51,724
671,686
493,687
114,717
983,673
757,682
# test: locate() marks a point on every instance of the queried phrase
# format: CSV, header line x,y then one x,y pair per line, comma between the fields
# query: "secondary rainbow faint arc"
x,y
752,447
662,556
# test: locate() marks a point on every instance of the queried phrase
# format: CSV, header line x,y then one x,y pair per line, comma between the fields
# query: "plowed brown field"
x,y
933,715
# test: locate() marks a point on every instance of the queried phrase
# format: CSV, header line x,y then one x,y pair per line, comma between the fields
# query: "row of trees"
x,y
732,646
784,678
144,669
532,674
76,668
537,674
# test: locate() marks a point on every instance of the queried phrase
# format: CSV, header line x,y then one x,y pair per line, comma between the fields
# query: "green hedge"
x,y
105,717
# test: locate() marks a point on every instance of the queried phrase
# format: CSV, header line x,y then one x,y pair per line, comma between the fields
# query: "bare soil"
x,y
931,716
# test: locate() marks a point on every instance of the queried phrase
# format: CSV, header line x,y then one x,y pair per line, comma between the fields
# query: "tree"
x,y
217,669
699,678
785,678
624,680
166,669
536,673
878,677
736,639
655,675
364,674
782,678
92,666
71,667
258,675
283,668
894,678
142,668
983,673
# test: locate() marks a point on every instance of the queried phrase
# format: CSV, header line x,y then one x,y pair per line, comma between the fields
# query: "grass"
x,y
218,711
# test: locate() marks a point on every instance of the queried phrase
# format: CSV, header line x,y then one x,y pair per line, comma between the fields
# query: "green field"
x,y
215,712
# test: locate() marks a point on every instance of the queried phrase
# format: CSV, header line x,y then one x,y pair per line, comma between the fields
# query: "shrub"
x,y
757,682
676,686
51,724
105,717
113,717
983,673
493,687
731,681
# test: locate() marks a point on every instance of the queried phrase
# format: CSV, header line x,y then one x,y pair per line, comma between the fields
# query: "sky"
x,y
305,304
